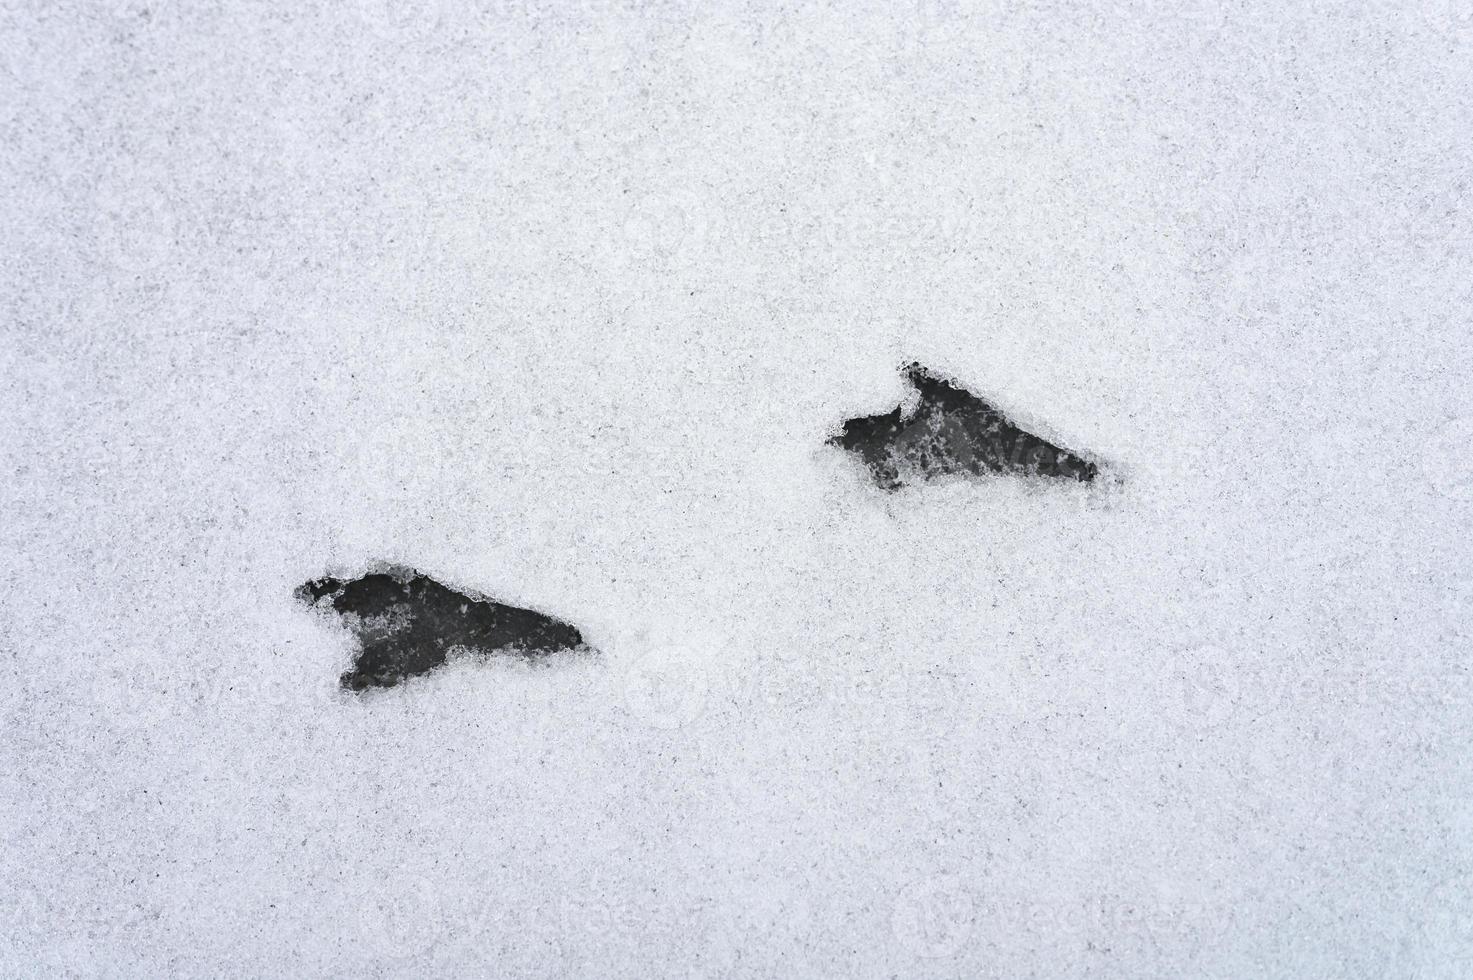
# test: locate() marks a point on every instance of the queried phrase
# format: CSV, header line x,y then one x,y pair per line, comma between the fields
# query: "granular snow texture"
x,y
561,300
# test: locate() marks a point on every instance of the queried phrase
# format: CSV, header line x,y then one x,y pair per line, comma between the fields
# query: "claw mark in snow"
x,y
952,431
408,624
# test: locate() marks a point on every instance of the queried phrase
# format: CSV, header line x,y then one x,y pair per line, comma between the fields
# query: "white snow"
x,y
558,302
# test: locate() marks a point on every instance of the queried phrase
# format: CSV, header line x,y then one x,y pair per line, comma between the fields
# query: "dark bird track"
x,y
952,431
407,624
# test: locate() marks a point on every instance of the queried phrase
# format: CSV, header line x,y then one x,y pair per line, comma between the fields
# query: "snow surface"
x,y
558,302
